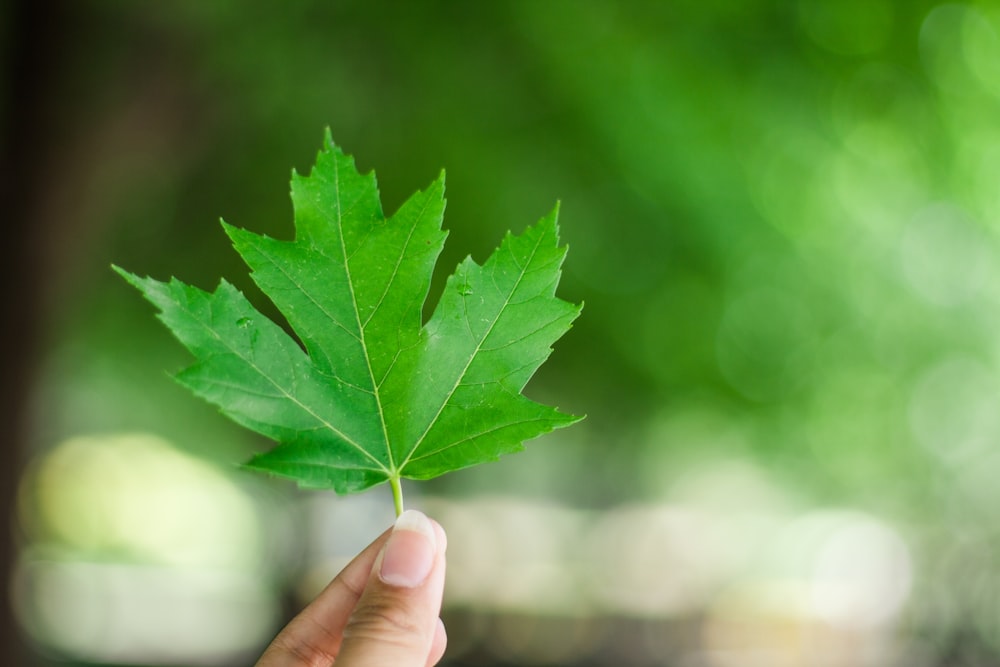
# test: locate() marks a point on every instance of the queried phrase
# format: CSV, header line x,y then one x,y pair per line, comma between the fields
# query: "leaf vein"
x,y
472,357
357,318
399,262
467,438
289,395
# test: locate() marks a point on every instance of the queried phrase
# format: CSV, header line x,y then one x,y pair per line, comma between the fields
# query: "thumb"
x,y
395,622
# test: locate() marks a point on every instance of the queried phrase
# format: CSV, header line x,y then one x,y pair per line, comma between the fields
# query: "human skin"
x,y
382,609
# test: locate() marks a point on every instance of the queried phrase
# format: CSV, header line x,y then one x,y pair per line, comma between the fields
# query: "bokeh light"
x,y
134,544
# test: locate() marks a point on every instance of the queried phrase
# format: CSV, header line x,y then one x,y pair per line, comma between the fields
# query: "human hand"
x,y
382,609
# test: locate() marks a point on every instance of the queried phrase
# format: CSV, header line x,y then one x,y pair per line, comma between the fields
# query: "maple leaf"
x,y
375,395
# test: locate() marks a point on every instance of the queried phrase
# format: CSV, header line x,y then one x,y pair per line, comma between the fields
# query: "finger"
x,y
440,642
438,645
314,636
395,622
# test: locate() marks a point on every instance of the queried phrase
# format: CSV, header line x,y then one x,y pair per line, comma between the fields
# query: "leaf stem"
x,y
397,493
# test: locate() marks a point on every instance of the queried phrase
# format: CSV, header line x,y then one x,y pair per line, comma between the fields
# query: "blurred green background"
x,y
784,219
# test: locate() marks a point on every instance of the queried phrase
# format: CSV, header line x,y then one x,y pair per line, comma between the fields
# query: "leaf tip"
x,y
334,149
552,219
234,233
132,279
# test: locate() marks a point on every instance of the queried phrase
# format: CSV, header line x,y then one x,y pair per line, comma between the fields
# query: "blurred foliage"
x,y
783,218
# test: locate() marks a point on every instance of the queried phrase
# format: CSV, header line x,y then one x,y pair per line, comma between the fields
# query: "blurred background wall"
x,y
784,219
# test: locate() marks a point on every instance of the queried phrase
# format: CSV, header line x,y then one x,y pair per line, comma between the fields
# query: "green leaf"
x,y
375,395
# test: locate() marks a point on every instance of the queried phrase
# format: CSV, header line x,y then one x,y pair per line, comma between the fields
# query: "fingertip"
x,y
417,522
441,537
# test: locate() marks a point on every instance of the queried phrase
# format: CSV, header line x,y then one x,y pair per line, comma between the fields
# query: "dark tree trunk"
x,y
32,49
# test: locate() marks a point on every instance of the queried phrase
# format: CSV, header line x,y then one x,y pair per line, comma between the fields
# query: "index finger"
x,y
314,636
